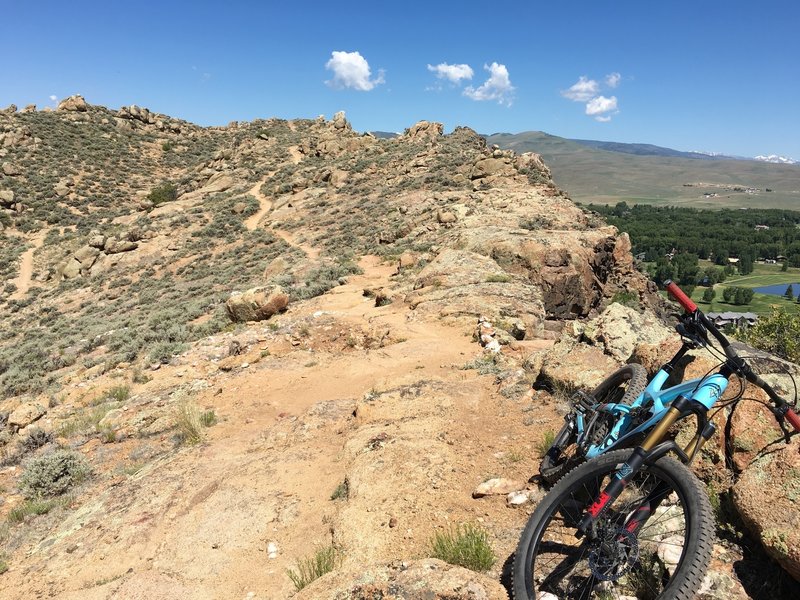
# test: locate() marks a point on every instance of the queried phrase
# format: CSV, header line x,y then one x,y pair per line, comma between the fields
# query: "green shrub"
x,y
36,438
323,561
629,299
118,393
466,546
485,364
166,192
342,490
190,426
53,474
162,352
778,332
208,418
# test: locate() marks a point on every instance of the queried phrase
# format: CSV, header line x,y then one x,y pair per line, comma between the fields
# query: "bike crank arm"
x,y
628,469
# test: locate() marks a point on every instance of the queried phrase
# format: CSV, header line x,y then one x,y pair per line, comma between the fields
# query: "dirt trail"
x,y
200,522
296,155
266,203
289,238
265,206
253,221
23,280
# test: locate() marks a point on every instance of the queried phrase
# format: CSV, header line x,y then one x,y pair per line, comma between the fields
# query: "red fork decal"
x,y
599,504
638,518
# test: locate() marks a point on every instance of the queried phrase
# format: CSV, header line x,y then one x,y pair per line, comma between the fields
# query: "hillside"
x,y
602,174
253,342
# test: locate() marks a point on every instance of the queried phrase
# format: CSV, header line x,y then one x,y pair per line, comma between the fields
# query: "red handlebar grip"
x,y
682,298
792,417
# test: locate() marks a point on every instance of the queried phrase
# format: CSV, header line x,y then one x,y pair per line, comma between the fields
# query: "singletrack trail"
x,y
264,201
198,522
265,205
23,280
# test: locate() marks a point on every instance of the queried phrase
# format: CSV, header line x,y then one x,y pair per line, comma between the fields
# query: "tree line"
x,y
717,235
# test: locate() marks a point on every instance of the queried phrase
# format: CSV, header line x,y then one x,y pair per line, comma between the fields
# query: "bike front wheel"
x,y
653,542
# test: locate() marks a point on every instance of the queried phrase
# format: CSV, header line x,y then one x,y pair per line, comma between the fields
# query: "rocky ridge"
x,y
384,255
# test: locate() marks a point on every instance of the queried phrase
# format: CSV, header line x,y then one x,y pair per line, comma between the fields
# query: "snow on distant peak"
x,y
774,158
706,153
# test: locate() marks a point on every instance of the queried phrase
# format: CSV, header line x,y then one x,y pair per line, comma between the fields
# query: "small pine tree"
x,y
789,293
708,295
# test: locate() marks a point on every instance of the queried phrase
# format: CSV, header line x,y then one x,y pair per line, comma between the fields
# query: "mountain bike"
x,y
634,523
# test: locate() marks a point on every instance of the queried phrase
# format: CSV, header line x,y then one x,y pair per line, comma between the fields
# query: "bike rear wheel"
x,y
623,386
653,542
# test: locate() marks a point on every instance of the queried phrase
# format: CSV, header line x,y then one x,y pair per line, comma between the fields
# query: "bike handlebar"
x,y
783,409
792,417
680,296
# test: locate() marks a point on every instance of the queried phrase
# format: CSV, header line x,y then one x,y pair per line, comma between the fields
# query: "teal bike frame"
x,y
656,400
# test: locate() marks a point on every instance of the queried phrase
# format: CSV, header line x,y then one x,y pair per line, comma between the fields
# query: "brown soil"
x,y
353,377
23,280
265,206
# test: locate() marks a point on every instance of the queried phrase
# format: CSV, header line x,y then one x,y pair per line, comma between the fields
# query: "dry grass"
x,y
323,561
188,420
466,546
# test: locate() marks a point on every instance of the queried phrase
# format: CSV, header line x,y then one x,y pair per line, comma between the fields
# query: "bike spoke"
x,y
593,568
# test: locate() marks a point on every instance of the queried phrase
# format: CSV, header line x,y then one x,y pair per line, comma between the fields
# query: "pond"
x,y
778,289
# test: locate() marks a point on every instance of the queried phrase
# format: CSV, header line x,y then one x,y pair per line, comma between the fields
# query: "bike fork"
x,y
626,472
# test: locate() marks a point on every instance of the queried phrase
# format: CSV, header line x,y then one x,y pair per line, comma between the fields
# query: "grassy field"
x,y
762,303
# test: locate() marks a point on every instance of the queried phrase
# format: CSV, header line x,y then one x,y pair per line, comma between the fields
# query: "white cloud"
x,y
597,107
453,73
613,79
497,87
351,70
583,90
588,91
53,97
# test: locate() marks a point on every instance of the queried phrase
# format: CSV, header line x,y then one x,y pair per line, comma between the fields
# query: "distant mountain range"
x,y
635,149
648,150
653,150
609,172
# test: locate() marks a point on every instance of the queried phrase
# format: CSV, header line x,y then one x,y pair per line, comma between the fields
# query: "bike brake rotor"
x,y
614,554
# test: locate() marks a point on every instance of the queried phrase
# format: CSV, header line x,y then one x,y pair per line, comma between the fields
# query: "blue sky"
x,y
708,75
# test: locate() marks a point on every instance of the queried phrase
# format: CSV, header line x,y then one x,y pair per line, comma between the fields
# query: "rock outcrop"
x,y
427,579
460,283
591,350
25,414
424,130
74,103
256,304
